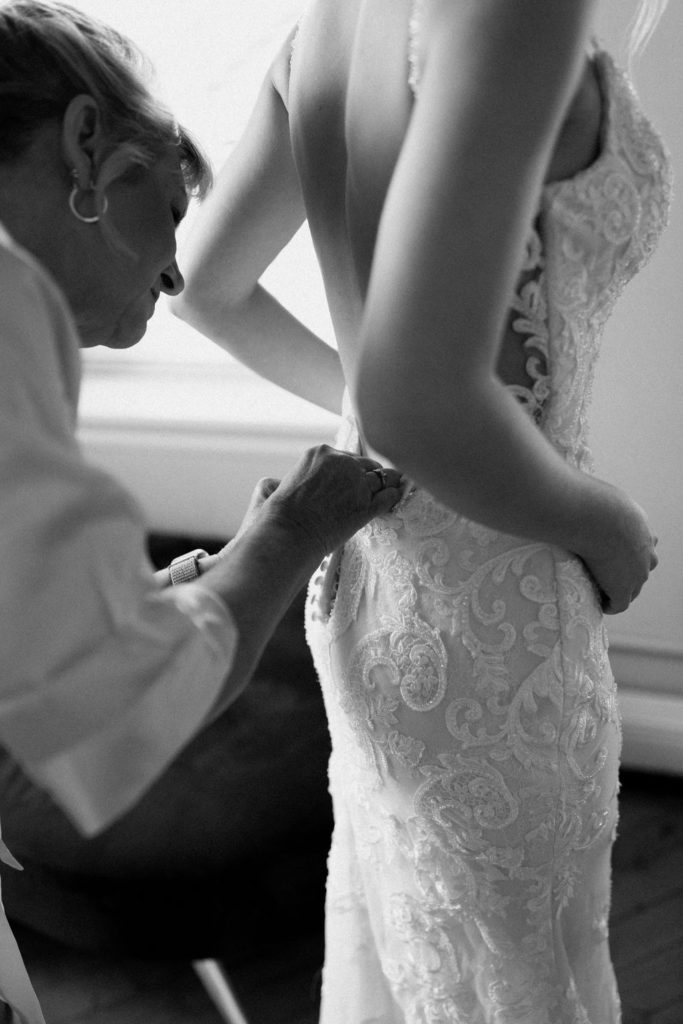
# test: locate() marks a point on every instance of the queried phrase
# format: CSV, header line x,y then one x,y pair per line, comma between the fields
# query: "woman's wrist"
x,y
198,562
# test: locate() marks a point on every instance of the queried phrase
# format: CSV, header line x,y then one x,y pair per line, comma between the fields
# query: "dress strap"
x,y
294,40
417,9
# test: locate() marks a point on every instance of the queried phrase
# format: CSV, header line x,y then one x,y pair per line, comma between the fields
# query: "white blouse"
x,y
104,677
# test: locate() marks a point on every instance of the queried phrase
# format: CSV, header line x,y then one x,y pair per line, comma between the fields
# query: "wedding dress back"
x,y
471,704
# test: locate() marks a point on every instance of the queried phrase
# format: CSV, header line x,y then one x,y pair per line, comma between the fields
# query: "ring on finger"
x,y
382,477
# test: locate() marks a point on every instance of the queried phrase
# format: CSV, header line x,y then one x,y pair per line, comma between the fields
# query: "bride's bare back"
x,y
350,103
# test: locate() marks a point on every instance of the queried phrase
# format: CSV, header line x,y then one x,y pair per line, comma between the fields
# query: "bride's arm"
x,y
252,213
498,75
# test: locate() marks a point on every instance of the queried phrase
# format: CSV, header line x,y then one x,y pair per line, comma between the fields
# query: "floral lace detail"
x,y
529,310
599,229
473,712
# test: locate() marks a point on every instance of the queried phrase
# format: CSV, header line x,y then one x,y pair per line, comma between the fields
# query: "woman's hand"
x,y
326,498
266,486
621,555
288,529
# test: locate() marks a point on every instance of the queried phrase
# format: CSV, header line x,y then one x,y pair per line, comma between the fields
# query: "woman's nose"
x,y
172,281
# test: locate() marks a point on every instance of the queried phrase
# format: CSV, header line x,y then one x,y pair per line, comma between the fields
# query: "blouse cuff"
x,y
104,775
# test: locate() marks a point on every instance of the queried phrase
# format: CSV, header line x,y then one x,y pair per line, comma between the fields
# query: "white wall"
x,y
638,397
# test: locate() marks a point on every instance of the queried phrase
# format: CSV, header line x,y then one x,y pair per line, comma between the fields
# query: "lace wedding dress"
x,y
471,704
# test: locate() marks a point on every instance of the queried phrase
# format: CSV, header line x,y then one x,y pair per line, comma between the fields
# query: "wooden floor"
x,y
647,906
646,931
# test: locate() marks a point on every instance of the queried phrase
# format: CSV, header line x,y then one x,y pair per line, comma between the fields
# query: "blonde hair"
x,y
644,23
49,53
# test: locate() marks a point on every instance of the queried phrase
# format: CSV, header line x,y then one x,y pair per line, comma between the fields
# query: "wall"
x,y
638,416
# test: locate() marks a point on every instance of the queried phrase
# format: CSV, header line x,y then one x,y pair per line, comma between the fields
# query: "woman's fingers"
x,y
331,494
379,478
376,479
385,501
266,486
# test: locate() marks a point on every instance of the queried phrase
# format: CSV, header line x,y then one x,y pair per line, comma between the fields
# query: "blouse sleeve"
x,y
104,676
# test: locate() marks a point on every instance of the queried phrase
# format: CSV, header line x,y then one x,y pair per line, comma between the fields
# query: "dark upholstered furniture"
x,y
225,854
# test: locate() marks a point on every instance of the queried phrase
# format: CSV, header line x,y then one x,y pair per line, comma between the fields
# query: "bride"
x,y
480,183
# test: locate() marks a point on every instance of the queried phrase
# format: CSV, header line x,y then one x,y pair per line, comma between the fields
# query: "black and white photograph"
x,y
341,477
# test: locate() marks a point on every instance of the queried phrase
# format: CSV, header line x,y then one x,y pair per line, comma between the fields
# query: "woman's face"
x,y
114,286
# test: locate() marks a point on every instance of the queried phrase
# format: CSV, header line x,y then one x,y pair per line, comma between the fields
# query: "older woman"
x,y
106,675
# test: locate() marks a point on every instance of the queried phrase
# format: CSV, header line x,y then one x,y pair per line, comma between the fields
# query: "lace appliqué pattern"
x,y
530,318
599,229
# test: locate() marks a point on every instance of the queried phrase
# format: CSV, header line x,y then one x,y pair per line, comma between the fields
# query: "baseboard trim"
x,y
653,731
649,674
200,485
191,445
647,663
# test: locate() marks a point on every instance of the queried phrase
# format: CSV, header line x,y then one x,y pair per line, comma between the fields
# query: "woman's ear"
x,y
82,138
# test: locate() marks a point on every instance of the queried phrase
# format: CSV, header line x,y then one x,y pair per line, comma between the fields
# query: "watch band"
x,y
185,567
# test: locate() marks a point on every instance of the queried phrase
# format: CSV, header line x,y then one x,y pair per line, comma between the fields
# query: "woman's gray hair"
x,y
49,53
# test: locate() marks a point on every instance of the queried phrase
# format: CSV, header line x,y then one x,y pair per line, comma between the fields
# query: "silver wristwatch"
x,y
186,567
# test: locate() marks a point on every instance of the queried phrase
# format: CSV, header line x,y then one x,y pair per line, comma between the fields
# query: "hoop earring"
x,y
72,203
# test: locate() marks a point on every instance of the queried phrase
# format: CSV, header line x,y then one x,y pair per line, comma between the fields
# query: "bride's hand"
x,y
621,554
